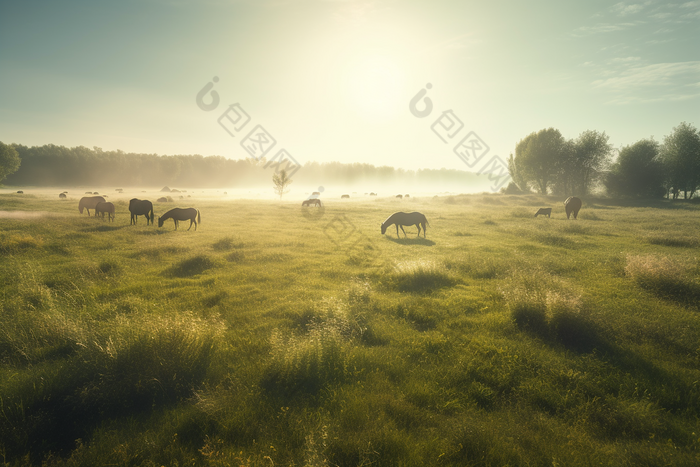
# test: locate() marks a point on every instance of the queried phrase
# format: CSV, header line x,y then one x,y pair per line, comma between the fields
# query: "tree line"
x,y
546,162
60,166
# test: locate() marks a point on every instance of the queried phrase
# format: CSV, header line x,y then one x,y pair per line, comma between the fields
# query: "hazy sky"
x,y
331,80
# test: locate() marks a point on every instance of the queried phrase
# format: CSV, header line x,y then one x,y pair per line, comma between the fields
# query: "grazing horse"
x,y
572,205
89,202
402,218
141,207
106,207
544,211
314,201
62,196
177,214
345,197
399,196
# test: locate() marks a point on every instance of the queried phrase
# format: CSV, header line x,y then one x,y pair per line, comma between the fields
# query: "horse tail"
x,y
199,218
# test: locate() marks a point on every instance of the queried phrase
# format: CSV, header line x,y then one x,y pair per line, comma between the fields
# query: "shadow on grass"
x,y
411,241
103,228
191,266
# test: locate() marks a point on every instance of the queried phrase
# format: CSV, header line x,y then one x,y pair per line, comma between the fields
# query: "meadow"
x,y
273,336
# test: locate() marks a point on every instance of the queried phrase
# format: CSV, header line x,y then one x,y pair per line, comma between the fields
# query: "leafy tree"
x,y
9,160
537,157
680,155
281,181
519,182
589,156
637,172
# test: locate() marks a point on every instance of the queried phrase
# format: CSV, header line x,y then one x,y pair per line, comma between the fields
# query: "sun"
x,y
374,87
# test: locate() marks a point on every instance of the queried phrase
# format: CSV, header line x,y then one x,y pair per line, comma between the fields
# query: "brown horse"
x,y
402,218
309,202
89,202
544,211
106,207
572,205
178,214
141,207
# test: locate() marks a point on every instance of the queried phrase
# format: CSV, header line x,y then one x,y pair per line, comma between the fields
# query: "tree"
x,y
680,155
281,180
589,157
517,175
637,172
9,160
537,157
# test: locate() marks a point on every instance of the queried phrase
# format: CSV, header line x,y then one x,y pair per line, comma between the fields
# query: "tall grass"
x,y
517,341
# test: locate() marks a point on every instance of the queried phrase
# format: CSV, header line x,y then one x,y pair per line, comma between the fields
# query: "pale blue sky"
x,y
331,80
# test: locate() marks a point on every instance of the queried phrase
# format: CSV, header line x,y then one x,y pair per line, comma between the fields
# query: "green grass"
x,y
273,338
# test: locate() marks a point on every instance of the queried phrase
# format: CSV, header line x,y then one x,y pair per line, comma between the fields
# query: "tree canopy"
x,y
9,160
680,155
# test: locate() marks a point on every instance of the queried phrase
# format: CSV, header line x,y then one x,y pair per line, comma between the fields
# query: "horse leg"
x,y
195,227
397,231
402,230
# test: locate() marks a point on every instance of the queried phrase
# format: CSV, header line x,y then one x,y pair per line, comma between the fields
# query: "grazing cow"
x,y
572,205
345,197
89,202
105,207
544,211
402,218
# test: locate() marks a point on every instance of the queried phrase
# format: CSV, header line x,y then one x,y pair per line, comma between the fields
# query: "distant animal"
x,y
141,207
399,196
309,202
178,214
163,200
345,197
89,202
572,205
373,194
544,211
20,192
402,218
105,207
62,196
406,196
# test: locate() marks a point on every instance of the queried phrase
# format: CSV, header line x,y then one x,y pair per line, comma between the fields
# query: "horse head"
x,y
160,222
384,226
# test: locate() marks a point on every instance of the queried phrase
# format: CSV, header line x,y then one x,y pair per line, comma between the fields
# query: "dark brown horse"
x,y
572,205
178,214
141,207
402,218
89,202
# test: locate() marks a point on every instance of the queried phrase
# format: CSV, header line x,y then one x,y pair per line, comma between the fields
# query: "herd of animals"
x,y
138,207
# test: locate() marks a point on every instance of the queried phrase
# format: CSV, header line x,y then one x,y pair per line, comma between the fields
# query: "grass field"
x,y
272,336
